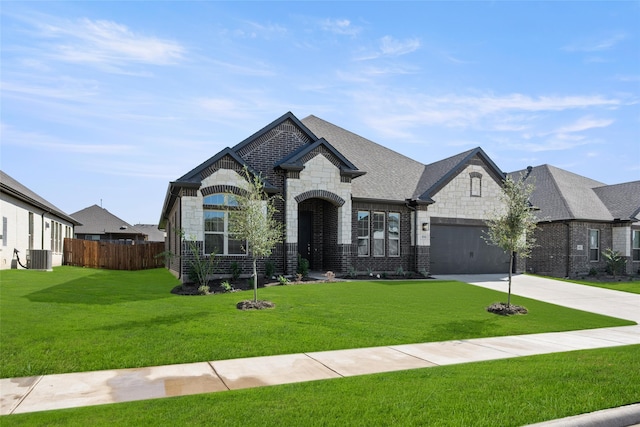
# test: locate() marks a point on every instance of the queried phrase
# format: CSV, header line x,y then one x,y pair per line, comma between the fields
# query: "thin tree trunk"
x,y
510,270
255,282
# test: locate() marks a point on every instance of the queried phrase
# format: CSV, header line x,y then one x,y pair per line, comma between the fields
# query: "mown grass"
x,y
75,319
622,285
508,392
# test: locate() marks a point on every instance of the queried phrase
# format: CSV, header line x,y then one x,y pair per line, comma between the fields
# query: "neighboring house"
x,y
152,232
32,226
578,219
348,204
101,225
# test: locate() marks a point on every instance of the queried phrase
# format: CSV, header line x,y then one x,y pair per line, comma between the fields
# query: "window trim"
x,y
228,203
364,238
383,216
635,245
596,247
397,238
475,177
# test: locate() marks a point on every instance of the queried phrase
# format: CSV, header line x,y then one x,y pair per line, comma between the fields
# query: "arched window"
x,y
476,184
217,238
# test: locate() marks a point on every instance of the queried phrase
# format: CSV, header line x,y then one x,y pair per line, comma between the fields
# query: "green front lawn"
x,y
75,319
510,392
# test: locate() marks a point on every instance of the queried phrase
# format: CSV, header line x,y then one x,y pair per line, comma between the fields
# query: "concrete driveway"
x,y
623,305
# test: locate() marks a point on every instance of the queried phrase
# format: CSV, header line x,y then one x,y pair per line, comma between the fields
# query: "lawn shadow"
x,y
94,290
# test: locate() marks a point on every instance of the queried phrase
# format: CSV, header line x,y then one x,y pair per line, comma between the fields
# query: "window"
x,y
31,236
394,234
217,238
594,245
476,184
378,234
636,245
4,231
363,233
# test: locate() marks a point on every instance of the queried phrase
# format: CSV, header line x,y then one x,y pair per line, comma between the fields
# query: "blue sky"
x,y
106,102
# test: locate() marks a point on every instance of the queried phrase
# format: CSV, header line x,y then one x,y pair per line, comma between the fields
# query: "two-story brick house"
x,y
347,203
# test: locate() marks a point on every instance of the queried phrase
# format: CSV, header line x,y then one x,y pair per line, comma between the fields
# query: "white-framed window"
x,y
378,234
217,239
635,245
394,233
363,233
594,245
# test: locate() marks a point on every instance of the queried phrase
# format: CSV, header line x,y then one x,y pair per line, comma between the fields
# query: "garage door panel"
x,y
459,249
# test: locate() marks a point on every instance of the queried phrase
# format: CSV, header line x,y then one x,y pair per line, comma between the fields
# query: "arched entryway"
x,y
318,223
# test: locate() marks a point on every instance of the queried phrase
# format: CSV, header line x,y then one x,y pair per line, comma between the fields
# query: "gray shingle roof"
x,y
623,200
12,187
390,175
563,195
97,220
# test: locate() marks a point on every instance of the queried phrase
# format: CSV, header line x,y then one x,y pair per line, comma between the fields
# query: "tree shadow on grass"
x,y
90,290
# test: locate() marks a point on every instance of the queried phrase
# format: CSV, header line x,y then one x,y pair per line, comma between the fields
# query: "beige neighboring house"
x,y
33,229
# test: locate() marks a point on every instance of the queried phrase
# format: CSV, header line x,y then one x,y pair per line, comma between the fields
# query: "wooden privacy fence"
x,y
112,256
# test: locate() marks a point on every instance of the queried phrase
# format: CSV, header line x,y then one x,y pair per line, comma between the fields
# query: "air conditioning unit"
x,y
41,259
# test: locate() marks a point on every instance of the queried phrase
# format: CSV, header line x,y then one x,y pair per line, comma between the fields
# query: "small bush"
x,y
204,290
330,275
424,273
593,272
303,266
269,269
352,272
226,286
283,280
299,277
615,261
235,271
400,272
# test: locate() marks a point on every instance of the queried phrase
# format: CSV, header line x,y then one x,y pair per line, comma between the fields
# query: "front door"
x,y
305,236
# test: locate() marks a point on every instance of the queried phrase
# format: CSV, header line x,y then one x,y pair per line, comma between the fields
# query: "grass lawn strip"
x,y
509,392
75,319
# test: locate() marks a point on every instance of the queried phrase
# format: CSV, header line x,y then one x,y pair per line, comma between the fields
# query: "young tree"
x,y
254,222
512,229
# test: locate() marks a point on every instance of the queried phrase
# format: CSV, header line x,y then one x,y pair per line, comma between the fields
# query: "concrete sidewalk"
x,y
39,393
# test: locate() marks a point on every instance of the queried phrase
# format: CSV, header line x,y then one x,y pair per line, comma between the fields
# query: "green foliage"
x,y
226,286
593,272
204,290
424,273
283,280
400,272
254,222
269,269
235,271
615,262
352,272
513,228
303,266
201,266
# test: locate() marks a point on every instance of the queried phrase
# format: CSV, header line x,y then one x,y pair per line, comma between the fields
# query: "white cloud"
x,y
256,30
596,45
392,47
340,26
584,123
106,44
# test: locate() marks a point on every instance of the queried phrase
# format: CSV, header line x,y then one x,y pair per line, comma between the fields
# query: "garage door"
x,y
457,249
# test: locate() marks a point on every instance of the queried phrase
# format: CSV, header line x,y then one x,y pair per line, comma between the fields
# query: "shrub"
x,y
303,266
283,280
226,286
593,271
424,273
400,271
352,272
203,290
269,269
330,275
615,261
235,271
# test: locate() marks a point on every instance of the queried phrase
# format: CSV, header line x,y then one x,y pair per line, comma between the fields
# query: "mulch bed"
x,y
503,309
